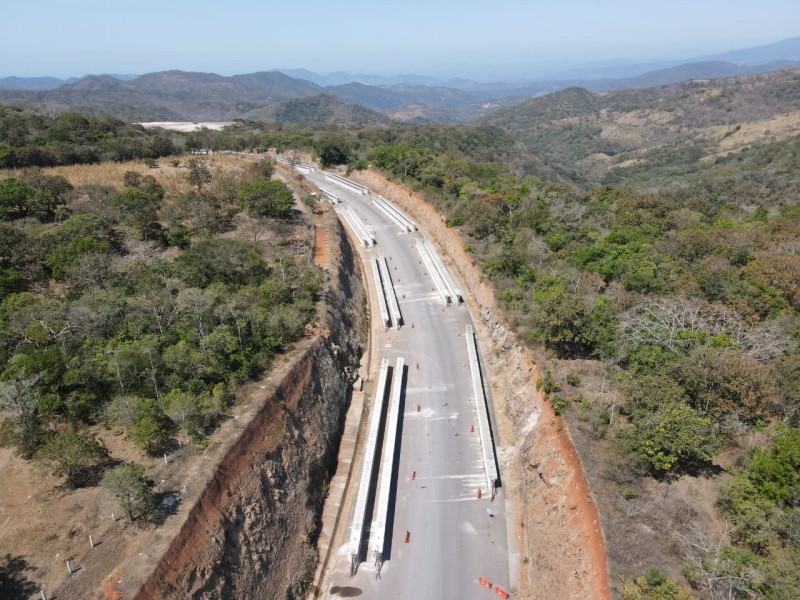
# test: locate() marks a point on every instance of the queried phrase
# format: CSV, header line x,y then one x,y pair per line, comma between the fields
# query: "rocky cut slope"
x,y
252,532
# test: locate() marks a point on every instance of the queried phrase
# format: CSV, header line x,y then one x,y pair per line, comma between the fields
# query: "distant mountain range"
x,y
303,96
644,133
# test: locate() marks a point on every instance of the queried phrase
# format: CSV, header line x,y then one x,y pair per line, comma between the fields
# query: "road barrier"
x,y
391,295
367,469
439,284
378,534
395,214
346,183
360,231
482,408
380,294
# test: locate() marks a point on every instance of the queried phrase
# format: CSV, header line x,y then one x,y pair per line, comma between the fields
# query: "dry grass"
x,y
173,179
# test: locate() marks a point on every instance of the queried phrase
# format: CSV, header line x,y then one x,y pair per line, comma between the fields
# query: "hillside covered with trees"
x,y
643,243
129,307
668,326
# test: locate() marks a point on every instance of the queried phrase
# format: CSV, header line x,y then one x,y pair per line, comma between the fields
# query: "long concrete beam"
x,y
482,408
378,531
441,288
344,182
379,289
444,272
395,214
391,295
367,469
332,198
359,230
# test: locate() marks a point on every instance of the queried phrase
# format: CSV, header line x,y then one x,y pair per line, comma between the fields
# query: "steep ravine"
x,y
252,532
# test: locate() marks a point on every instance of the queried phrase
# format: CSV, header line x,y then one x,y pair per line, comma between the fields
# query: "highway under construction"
x,y
425,513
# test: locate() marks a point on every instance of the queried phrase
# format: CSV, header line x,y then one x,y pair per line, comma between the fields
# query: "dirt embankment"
x,y
254,527
560,538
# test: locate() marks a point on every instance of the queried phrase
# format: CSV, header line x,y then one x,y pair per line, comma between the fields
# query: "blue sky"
x,y
439,37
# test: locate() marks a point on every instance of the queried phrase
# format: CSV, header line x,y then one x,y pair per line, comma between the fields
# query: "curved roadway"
x,y
454,537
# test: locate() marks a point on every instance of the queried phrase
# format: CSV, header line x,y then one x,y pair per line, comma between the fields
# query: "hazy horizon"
x,y
441,39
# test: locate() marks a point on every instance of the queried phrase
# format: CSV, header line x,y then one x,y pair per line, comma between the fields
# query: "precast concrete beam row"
x,y
380,293
444,272
367,469
395,214
344,182
439,285
391,295
332,198
482,408
378,530
358,229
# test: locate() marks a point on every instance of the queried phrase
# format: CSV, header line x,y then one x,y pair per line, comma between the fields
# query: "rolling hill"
x,y
641,136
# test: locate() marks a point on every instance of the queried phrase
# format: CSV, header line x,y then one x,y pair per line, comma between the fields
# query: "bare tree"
x,y
674,323
710,559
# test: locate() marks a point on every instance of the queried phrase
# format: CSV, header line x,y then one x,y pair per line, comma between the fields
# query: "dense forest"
x,y
28,139
685,301
140,310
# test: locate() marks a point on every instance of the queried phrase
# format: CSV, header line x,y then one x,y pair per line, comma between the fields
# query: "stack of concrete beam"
x,y
395,214
347,183
391,295
368,468
445,283
358,228
482,408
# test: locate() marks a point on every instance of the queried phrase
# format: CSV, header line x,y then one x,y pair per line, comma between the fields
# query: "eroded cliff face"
x,y
252,532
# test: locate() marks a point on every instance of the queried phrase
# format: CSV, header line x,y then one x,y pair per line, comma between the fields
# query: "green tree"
x,y
673,437
14,197
561,321
152,430
199,174
131,488
70,454
654,585
225,260
267,199
61,261
332,150
776,471
23,428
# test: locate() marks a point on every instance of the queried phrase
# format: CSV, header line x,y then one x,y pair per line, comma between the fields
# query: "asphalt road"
x,y
454,537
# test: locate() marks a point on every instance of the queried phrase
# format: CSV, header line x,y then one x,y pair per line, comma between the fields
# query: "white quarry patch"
x,y
186,126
